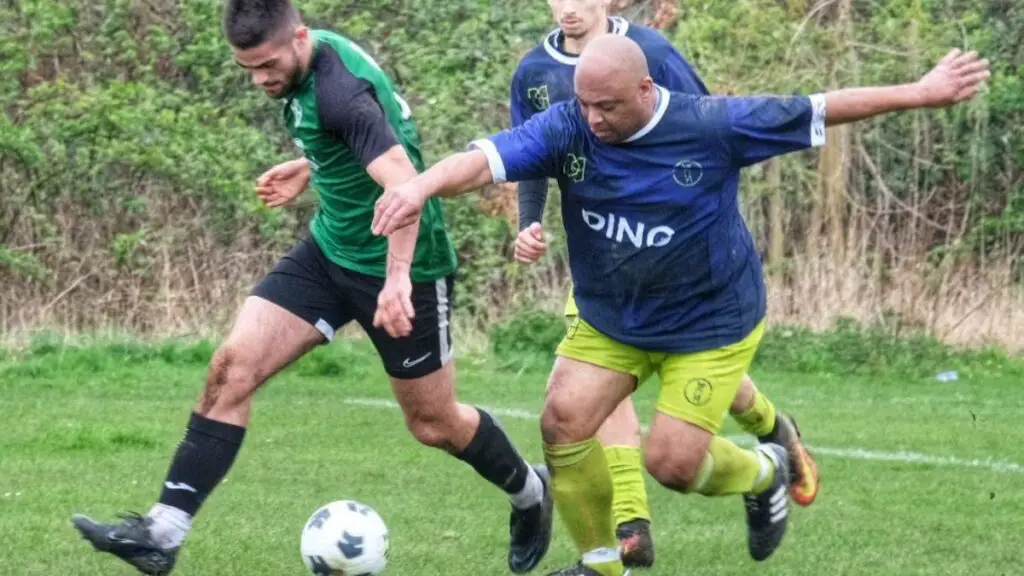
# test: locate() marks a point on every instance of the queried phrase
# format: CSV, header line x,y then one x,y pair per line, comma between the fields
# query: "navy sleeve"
x,y
533,194
676,74
519,104
760,127
531,151
349,110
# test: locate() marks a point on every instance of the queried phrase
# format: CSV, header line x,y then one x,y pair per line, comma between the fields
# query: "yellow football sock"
x,y
629,501
729,469
582,488
759,418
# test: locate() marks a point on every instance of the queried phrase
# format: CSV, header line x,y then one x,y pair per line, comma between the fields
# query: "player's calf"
x,y
580,397
491,453
761,476
473,436
676,452
231,381
201,461
265,338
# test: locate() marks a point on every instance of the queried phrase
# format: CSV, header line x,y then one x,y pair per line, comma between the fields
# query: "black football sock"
x,y
203,458
493,456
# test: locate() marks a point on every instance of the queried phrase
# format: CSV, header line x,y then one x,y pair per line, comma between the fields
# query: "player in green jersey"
x,y
357,137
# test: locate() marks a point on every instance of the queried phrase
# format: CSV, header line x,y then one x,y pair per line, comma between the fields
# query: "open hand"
x,y
283,183
956,78
395,311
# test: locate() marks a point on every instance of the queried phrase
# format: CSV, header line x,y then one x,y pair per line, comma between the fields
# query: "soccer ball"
x,y
345,538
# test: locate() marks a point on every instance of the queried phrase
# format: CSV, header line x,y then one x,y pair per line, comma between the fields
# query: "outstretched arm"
x,y
955,79
526,152
760,127
457,174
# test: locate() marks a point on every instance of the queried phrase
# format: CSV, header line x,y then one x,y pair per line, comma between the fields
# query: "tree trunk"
x,y
776,213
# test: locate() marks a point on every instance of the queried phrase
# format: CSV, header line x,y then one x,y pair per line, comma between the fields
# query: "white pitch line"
x,y
1001,466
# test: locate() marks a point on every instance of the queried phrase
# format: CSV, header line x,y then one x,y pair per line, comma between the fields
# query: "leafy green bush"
x,y
129,139
527,332
849,348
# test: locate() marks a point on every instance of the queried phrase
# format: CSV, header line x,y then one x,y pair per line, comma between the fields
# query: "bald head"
x,y
612,57
614,87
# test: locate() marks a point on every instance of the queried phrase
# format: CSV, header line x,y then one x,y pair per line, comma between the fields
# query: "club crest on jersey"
x,y
575,167
687,173
538,96
296,107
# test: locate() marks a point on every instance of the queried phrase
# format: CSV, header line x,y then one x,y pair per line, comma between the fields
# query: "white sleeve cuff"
x,y
818,115
494,160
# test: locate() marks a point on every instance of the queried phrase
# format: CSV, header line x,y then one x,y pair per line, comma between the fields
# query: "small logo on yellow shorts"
x,y
698,391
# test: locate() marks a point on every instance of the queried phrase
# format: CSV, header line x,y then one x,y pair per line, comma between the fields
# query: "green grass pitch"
x,y
918,477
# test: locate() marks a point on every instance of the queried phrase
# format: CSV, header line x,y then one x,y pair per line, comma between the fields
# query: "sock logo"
x,y
180,486
511,477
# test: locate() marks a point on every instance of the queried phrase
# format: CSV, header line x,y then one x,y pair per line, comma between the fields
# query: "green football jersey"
x,y
334,117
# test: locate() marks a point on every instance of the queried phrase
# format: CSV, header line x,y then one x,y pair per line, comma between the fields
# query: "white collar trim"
x,y
659,113
619,27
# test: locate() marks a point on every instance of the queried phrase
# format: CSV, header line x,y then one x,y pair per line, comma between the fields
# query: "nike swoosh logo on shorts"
x,y
407,363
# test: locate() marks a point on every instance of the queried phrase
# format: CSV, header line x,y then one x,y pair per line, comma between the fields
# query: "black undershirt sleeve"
x,y
349,110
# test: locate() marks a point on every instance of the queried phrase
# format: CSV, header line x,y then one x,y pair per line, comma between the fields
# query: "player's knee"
x,y
561,422
432,432
230,381
673,466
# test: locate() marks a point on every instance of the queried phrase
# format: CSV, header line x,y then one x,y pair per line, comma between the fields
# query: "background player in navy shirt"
x,y
665,270
545,77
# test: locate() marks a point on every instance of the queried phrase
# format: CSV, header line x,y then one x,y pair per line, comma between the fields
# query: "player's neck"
x,y
575,46
305,60
652,107
650,112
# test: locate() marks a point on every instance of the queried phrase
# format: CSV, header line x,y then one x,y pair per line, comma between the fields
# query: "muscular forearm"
x,y
393,168
455,175
853,104
401,248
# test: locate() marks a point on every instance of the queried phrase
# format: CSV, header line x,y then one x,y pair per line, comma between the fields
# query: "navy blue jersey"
x,y
545,77
661,258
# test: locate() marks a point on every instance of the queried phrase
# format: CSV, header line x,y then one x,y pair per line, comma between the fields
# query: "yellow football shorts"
x,y
696,387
